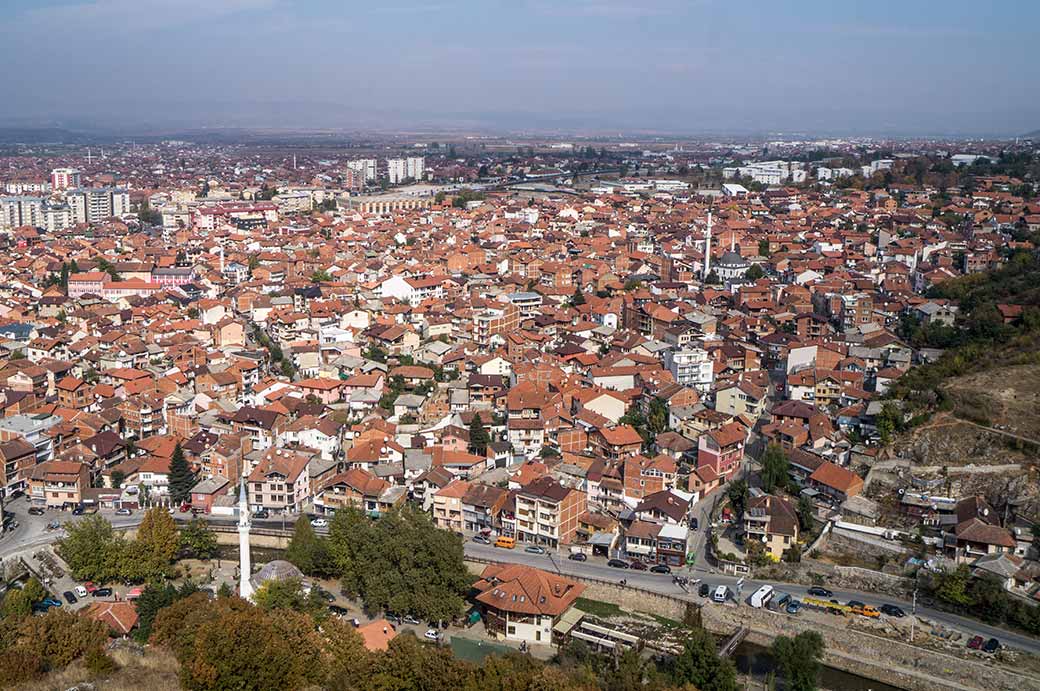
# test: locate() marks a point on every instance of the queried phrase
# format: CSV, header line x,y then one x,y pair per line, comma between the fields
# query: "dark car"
x,y
339,611
262,513
817,591
991,646
35,511
70,597
638,566
704,590
102,592
855,603
661,568
892,611
482,539
975,643
578,556
78,511
693,523
617,563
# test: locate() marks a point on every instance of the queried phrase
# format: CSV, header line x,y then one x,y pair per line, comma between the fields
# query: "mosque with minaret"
x,y
279,569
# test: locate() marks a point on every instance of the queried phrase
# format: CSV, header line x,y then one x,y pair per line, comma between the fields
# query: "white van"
x,y
721,594
761,596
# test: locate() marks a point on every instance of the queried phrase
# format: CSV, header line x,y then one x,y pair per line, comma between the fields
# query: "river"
x,y
758,663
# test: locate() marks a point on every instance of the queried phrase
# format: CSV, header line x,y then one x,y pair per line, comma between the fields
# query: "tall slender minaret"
x,y
707,248
245,566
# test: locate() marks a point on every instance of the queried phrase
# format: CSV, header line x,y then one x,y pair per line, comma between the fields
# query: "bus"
x,y
761,596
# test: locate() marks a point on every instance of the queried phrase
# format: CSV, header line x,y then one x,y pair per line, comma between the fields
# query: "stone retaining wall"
x,y
874,657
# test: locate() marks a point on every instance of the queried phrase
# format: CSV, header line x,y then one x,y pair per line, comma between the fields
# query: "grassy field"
x,y
155,670
598,608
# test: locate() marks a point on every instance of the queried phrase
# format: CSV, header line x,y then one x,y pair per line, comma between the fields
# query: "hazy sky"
x,y
911,66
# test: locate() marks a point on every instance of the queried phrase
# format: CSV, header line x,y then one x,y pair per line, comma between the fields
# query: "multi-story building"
x,y
57,217
691,367
547,512
365,168
58,484
396,170
772,522
447,505
65,178
722,449
415,167
22,211
280,481
95,204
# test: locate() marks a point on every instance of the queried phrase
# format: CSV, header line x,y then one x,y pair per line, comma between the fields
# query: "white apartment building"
x,y
691,367
94,204
65,178
365,167
57,218
396,170
415,167
21,211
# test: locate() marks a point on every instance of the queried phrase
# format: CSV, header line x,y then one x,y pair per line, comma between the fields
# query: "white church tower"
x,y
245,566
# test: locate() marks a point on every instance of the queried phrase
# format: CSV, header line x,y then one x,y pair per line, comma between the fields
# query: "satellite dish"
x,y
902,491
985,512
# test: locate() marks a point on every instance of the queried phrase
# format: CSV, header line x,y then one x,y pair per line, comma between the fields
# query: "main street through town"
x,y
32,533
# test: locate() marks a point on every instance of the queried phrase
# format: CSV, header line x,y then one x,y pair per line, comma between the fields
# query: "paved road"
x,y
32,533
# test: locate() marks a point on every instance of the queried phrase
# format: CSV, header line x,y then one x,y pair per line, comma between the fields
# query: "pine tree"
x,y
478,436
181,477
578,298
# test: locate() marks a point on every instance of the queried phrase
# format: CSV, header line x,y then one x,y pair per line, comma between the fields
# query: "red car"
x,y
90,587
185,508
975,643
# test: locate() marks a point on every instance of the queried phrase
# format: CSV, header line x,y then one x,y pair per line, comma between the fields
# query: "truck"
x,y
721,594
761,596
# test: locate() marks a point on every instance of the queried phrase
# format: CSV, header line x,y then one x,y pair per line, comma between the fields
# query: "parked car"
x,y
102,592
661,568
432,635
78,510
638,566
704,590
261,514
185,508
892,611
617,563
52,602
975,643
124,512
339,611
693,523
482,539
794,606
534,549
855,603
991,646
578,556
90,587
817,591
35,511
69,597
320,523
409,619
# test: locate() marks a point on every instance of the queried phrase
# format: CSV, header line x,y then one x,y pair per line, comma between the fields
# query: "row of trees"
x,y
984,597
228,643
94,551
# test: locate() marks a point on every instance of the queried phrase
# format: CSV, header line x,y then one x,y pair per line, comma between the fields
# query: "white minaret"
x,y
707,248
245,567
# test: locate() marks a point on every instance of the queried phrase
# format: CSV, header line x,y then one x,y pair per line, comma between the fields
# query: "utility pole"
x,y
913,609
